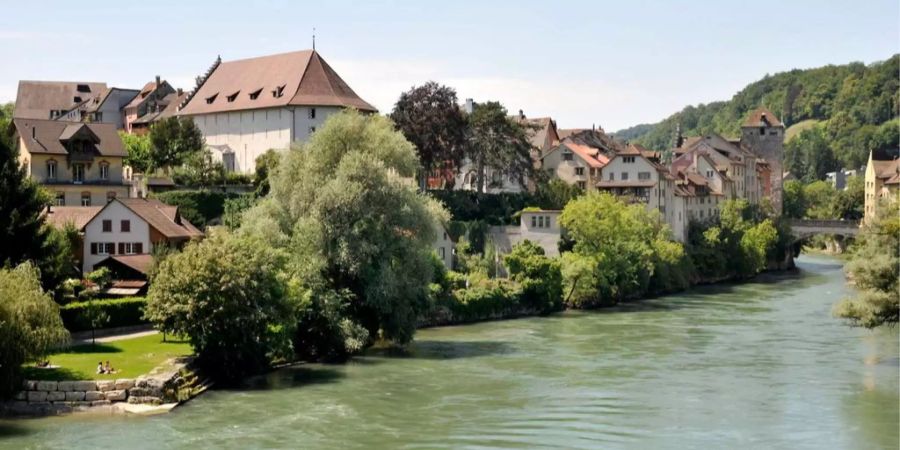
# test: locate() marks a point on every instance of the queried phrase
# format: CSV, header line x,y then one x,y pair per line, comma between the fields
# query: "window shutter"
x,y
111,248
93,248
121,248
138,247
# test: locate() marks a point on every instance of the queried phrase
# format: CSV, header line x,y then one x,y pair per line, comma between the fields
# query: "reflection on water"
x,y
760,365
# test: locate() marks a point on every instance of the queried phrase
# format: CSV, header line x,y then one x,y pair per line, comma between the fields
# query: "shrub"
x,y
540,276
122,312
488,299
198,207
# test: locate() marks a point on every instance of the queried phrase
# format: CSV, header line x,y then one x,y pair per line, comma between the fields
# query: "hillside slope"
x,y
851,109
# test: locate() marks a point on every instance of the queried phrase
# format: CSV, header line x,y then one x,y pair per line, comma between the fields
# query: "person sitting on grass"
x,y
108,369
100,369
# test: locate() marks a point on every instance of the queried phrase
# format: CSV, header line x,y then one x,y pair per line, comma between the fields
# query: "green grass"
x,y
798,127
130,357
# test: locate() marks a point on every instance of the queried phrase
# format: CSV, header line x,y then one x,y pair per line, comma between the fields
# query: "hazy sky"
x,y
613,64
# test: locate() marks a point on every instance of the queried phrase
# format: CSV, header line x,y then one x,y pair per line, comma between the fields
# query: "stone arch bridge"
x,y
803,229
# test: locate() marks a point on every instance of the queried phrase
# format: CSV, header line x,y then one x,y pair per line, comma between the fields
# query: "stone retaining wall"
x,y
174,384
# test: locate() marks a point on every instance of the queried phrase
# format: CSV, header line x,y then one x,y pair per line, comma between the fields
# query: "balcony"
x,y
86,181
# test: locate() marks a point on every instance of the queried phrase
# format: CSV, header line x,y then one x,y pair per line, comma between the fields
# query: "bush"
x,y
122,312
198,207
540,277
489,299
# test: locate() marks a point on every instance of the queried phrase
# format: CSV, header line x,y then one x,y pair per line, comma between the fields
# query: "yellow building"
x,y
882,185
80,163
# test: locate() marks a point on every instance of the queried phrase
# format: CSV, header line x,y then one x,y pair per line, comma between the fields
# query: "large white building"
x,y
246,107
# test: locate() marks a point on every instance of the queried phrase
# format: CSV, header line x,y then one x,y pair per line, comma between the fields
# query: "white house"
x,y
131,226
443,246
538,226
248,106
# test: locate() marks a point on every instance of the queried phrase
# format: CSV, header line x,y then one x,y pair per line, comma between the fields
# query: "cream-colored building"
x,y
631,175
246,107
882,185
574,163
538,226
79,163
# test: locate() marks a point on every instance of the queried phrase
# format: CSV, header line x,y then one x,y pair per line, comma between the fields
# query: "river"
x,y
756,365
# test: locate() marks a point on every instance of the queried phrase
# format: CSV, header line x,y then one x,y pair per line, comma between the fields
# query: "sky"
x,y
584,63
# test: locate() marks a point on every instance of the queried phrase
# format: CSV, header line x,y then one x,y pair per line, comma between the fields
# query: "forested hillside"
x,y
835,115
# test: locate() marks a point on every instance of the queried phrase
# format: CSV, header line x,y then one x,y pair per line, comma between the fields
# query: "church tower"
x,y
763,134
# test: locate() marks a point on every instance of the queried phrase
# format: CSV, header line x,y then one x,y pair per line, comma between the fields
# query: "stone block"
x,y
146,400
80,405
65,386
119,395
56,396
84,386
106,385
124,383
91,396
37,396
29,385
74,396
21,395
100,403
46,385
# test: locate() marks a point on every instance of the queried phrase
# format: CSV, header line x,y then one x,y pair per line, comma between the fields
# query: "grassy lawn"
x,y
129,357
798,127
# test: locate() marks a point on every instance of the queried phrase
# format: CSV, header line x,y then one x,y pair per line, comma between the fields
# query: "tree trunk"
x,y
479,167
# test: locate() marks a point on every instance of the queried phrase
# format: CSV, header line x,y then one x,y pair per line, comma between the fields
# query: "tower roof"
x,y
762,117
300,78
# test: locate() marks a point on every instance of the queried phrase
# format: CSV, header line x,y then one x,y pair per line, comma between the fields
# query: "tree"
x,y
499,142
818,195
430,118
199,169
848,204
266,164
139,152
95,314
6,131
875,269
23,232
226,295
794,200
29,323
359,234
172,140
539,276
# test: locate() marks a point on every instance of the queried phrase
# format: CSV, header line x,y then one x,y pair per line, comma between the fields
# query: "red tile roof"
x,y
762,117
592,156
79,216
298,78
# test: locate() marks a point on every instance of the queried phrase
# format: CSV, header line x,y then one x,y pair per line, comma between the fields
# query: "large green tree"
x,y
173,140
226,295
358,233
6,130
23,233
499,142
29,323
430,118
139,151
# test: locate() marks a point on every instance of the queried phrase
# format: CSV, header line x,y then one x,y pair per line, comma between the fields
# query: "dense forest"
x,y
834,115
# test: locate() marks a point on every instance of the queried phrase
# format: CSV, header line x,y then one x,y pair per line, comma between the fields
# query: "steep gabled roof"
x,y
300,78
164,218
542,134
48,136
35,99
79,216
762,117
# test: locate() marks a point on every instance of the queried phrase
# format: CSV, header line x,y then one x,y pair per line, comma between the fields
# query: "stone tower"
x,y
763,134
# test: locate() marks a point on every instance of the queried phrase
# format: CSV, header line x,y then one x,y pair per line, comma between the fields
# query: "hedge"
x,y
198,207
122,312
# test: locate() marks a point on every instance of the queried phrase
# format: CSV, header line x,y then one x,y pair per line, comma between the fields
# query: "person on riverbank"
x,y
108,369
100,369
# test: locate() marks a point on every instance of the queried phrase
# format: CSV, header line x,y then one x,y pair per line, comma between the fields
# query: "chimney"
x,y
180,92
157,81
521,114
470,106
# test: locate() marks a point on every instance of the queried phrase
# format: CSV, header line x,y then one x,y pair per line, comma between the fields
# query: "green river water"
x,y
758,365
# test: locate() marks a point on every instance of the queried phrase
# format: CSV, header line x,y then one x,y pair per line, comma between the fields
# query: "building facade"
x,y
882,186
246,107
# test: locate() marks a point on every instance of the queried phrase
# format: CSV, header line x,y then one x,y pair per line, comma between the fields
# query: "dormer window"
x,y
83,88
232,97
77,99
255,94
211,98
278,92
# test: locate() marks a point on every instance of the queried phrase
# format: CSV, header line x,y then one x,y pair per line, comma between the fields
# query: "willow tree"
x,y
358,233
29,323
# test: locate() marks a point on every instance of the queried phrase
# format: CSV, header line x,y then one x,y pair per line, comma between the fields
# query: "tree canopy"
x,y
173,140
499,142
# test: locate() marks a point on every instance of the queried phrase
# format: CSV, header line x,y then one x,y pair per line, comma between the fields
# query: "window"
x,y
231,98
51,170
612,176
643,176
762,131
104,171
628,159
103,248
78,173
579,171
83,88
278,92
211,98
709,174
110,196
567,156
582,185
125,226
540,221
312,130
533,221
255,94
441,252
547,221
85,199
60,199
312,113
624,176
107,226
